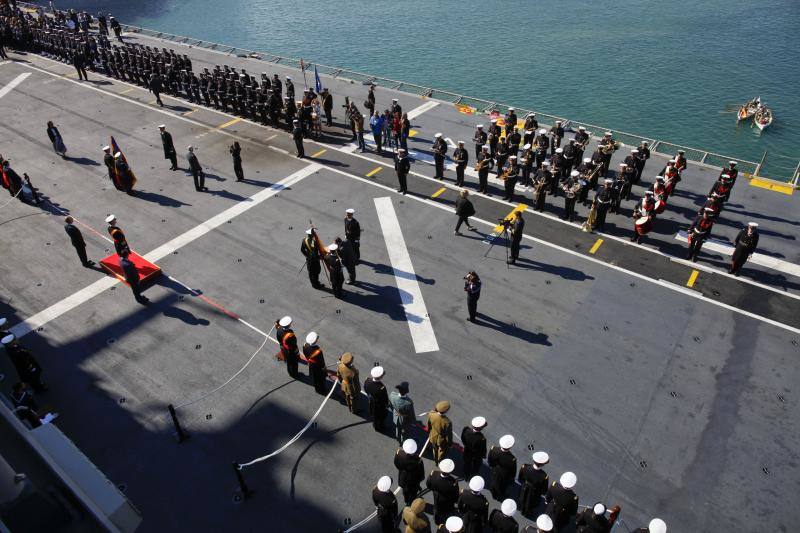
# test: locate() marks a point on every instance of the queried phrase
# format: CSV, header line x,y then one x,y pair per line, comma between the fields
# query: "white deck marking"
x,y
13,83
417,111
725,248
74,300
410,294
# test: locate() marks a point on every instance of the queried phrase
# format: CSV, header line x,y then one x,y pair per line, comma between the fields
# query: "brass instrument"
x,y
571,191
538,185
506,173
485,162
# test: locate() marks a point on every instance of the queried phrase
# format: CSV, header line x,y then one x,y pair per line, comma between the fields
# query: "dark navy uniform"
x,y
474,451
500,523
504,467
410,474
386,507
534,486
474,509
445,494
378,402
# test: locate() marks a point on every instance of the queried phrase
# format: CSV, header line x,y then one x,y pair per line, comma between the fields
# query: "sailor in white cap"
x,y
541,143
606,147
28,368
473,506
461,159
402,166
514,139
526,164
503,465
581,141
603,197
544,524
297,136
534,482
108,159
289,88
197,171
562,501
558,166
439,148
480,139
385,504
483,164
313,355
510,121
169,147
336,270
445,490
745,245
120,241
509,177
352,232
396,108
474,444
680,160
572,187
656,525
556,134
3,331
502,520
311,250
593,519
287,340
410,471
378,397
543,181
454,524
698,232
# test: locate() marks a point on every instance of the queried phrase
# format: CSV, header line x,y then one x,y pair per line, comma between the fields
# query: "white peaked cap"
x,y
544,523
478,422
479,126
438,135
110,219
350,211
285,321
527,146
751,224
288,77
559,150
333,247
476,484
540,458
730,163
545,163
657,525
574,173
508,507
8,339
599,509
587,159
117,155
447,465
607,134
511,109
384,484
312,338
308,231
460,142
568,480
506,442
3,321
376,372
410,446
454,524
542,131
581,128
160,126
106,147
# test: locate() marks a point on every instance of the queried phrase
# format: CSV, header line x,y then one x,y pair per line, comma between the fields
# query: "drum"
x,y
643,225
660,206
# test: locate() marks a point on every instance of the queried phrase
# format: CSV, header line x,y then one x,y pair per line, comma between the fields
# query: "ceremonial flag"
x,y
122,178
317,81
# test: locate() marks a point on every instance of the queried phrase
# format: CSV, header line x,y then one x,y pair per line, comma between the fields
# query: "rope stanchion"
x,y
179,432
244,490
297,436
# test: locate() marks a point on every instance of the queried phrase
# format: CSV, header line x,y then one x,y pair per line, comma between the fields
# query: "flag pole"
x,y
303,68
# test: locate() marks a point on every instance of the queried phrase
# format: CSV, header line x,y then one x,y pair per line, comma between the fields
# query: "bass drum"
x,y
660,206
643,225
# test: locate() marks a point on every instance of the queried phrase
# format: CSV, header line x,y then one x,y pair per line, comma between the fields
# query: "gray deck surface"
x,y
666,403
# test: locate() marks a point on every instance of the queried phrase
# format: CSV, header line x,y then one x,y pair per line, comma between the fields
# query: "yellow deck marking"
x,y
319,153
692,278
373,171
412,133
126,91
229,123
595,246
520,207
71,75
784,189
190,112
437,193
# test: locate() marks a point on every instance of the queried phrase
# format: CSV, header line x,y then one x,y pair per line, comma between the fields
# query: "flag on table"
x,y
317,81
123,173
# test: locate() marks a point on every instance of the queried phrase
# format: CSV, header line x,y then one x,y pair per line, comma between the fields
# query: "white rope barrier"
x,y
11,199
296,437
206,395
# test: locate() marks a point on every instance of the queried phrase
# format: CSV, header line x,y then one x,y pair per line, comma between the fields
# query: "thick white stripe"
x,y
13,83
71,302
417,111
759,259
410,294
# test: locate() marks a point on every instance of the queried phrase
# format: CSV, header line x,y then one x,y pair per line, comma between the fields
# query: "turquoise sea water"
x,y
666,70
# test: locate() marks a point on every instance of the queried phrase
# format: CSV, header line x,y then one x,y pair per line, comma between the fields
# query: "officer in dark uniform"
x,y
472,286
131,274
603,197
348,258
473,506
513,140
311,251
746,243
297,135
503,465
378,398
120,242
526,163
196,170
698,232
410,470
593,520
474,444
510,176
534,482
480,140
656,525
510,120
439,152
169,147
76,237
461,158
494,136
562,502
352,232
402,166
28,368
155,86
642,156
287,340
108,159
316,362
445,490
334,264
484,164
540,145
540,186
556,134
502,520
516,230
385,504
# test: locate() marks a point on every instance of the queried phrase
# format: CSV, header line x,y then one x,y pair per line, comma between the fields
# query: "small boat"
x,y
763,117
749,109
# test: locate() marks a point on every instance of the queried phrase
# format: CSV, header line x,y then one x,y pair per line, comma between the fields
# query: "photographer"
x,y
472,286
516,228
